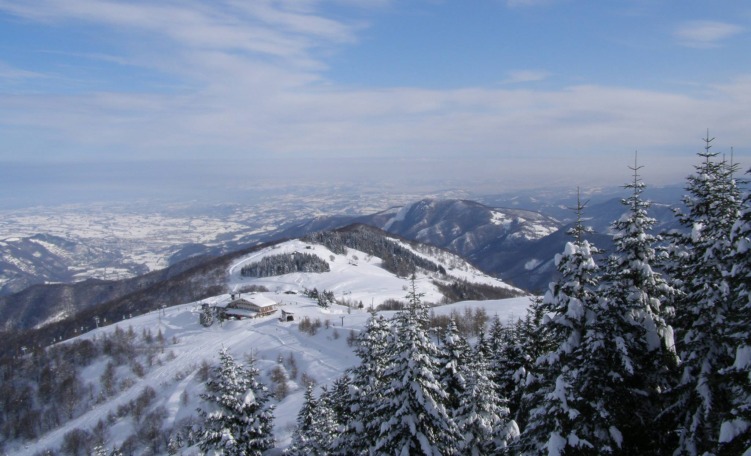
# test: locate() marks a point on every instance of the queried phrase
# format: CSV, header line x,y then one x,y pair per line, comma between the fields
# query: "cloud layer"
x,y
248,80
705,34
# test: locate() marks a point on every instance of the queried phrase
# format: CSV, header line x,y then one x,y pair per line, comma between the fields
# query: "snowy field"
x,y
147,232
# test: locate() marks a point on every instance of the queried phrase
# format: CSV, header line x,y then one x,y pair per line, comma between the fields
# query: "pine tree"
x,y
364,395
535,342
701,269
632,345
412,415
735,429
327,428
482,416
452,354
302,439
507,362
336,399
316,427
206,317
556,424
241,420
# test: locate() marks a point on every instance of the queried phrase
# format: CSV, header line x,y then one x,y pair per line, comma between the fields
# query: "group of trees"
x,y
409,395
239,418
646,362
46,388
324,298
397,258
643,350
285,263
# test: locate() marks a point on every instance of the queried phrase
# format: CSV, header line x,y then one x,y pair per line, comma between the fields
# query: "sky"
x,y
492,94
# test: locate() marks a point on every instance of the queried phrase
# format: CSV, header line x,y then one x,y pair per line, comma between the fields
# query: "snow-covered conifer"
x,y
316,428
536,341
240,419
412,414
206,317
453,353
700,268
482,416
362,428
336,399
556,424
735,429
630,346
507,362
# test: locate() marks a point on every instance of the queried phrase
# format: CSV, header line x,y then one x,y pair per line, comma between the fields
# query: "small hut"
x,y
287,316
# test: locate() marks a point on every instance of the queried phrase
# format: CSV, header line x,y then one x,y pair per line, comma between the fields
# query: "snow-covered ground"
x,y
322,357
357,276
146,233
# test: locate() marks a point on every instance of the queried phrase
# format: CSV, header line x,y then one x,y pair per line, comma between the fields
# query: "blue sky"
x,y
507,93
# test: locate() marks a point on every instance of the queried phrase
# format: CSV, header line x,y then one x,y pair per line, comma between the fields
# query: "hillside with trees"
x,y
641,350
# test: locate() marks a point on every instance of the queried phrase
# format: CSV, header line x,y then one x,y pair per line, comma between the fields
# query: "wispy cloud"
x,y
521,76
705,34
13,73
252,83
261,27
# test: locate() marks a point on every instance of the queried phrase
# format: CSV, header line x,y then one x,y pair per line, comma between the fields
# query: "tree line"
x,y
285,263
396,258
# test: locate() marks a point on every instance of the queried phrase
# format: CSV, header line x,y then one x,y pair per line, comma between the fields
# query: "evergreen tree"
x,y
557,422
453,353
336,399
507,363
365,388
483,345
206,317
412,415
700,266
535,341
632,350
316,427
327,428
241,420
482,416
735,429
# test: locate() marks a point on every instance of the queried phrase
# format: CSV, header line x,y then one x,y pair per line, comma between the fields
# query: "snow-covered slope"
x,y
174,369
44,258
358,276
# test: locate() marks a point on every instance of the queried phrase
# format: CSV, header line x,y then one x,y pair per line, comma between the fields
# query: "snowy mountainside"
x,y
44,258
61,311
129,238
462,225
532,266
472,230
488,237
171,346
359,276
117,241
